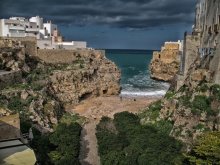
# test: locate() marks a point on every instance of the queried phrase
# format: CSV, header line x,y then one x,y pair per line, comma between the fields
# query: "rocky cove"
x,y
71,97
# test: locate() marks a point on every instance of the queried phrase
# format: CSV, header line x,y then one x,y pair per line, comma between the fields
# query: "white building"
x,y
47,34
38,20
72,45
50,28
13,27
179,42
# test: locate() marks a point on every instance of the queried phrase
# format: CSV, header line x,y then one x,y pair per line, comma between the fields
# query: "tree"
x,y
207,150
127,142
66,138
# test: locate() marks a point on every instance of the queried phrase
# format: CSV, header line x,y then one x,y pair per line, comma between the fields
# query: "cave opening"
x,y
85,96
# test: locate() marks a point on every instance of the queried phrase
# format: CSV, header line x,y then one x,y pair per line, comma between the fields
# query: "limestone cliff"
x,y
193,108
193,104
47,87
165,64
86,77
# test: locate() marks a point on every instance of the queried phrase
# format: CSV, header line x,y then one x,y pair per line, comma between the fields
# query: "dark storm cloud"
x,y
119,13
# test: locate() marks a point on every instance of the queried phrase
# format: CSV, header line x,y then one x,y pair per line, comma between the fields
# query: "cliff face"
x,y
84,78
165,64
47,88
162,71
193,104
192,110
195,107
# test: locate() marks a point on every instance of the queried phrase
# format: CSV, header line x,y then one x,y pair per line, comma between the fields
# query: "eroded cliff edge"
x,y
40,87
165,64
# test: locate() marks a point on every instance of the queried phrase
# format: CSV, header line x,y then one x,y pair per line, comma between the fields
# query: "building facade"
x,y
47,34
203,43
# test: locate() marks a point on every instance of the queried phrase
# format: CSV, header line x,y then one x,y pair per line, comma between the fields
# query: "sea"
x,y
135,73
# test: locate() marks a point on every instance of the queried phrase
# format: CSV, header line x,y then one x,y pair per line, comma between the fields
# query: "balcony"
x,y
32,29
17,35
16,28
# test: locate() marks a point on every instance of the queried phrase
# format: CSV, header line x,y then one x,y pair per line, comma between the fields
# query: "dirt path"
x,y
94,109
89,150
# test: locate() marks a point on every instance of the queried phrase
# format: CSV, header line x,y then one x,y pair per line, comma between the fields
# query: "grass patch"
x,y
169,95
153,111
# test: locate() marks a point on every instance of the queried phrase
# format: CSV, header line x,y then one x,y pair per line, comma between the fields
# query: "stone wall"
x,y
171,46
214,66
168,54
9,78
66,56
10,127
30,44
190,54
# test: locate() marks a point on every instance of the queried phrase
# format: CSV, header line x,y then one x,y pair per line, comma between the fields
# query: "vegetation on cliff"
x,y
124,140
206,149
146,137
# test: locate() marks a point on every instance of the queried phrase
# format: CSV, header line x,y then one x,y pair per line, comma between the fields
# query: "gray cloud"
x,y
119,13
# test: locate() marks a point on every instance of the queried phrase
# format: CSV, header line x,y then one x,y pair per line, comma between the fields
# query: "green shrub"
x,y
215,89
206,150
202,103
37,86
152,112
163,126
203,88
185,100
66,140
16,104
184,88
169,94
18,86
199,127
137,144
72,118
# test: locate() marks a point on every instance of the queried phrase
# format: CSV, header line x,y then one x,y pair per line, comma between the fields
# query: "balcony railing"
x,y
32,29
16,28
17,35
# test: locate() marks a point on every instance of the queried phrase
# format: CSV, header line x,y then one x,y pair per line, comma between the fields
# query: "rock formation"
x,y
47,88
165,64
84,78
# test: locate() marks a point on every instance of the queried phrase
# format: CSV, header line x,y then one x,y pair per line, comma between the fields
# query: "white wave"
x,y
142,94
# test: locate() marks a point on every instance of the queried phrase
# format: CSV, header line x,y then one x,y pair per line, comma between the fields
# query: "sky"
x,y
112,24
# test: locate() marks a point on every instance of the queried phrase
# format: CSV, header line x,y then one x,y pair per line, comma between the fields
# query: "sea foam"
x,y
143,93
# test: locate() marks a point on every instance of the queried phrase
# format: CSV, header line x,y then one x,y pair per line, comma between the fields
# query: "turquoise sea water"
x,y
135,78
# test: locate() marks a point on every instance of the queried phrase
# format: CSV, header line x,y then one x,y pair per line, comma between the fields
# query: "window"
x,y
210,30
216,28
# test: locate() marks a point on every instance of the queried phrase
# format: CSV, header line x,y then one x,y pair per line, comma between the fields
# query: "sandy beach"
x,y
94,109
